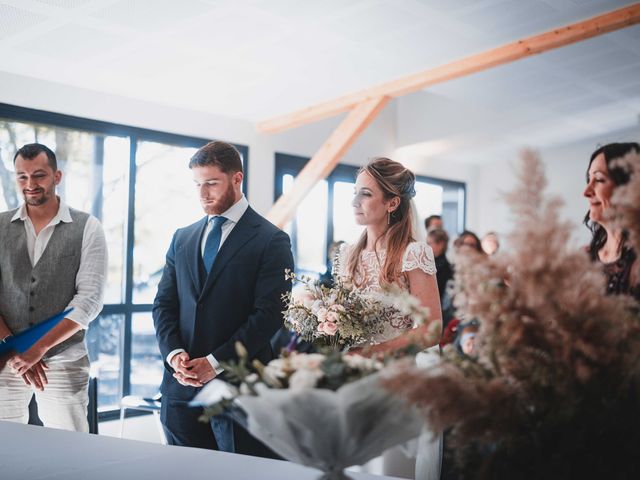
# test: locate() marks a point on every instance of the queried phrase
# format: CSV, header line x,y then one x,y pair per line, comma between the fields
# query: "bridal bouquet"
x,y
344,316
322,411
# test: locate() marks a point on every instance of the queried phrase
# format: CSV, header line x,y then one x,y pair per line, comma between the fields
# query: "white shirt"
x,y
92,273
233,215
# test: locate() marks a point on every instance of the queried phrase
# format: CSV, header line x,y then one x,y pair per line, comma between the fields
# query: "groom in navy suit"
x,y
222,283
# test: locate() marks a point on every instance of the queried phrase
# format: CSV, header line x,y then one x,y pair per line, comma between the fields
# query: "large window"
x,y
136,182
326,216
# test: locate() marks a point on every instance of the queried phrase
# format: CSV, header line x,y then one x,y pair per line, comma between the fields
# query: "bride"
x,y
387,253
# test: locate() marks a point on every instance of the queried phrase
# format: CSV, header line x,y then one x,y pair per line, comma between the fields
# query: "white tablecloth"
x,y
35,453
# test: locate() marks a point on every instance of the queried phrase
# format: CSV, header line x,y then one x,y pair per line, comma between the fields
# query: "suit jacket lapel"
x,y
239,236
192,247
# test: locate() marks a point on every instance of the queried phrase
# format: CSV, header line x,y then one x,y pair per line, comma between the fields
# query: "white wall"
x,y
565,168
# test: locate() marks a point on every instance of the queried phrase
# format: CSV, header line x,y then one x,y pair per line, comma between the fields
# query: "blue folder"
x,y
24,340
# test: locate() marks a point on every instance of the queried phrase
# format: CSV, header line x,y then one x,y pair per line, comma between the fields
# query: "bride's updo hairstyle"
x,y
395,181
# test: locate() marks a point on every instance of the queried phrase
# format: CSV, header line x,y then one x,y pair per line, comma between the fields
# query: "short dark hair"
x,y
219,154
429,219
32,150
438,235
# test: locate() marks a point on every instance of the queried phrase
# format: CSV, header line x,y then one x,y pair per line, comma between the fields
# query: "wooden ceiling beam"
x,y
558,37
326,158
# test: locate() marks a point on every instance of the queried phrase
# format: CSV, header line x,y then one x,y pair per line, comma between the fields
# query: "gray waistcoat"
x,y
29,295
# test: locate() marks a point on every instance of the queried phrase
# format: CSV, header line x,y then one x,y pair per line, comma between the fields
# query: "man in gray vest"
x,y
52,258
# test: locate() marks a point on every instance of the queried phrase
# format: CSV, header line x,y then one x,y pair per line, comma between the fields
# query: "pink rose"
x,y
328,328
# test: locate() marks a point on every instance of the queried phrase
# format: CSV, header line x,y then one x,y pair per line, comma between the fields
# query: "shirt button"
x,y
32,293
31,309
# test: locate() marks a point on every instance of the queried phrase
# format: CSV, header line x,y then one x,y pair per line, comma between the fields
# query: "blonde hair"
x,y
395,181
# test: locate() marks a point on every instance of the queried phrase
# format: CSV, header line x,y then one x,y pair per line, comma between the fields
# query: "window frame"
x,y
135,134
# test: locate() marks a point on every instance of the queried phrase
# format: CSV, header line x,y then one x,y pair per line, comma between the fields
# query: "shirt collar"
x,y
63,214
235,211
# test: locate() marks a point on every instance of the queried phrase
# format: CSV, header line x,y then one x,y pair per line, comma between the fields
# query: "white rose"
x,y
304,379
321,314
309,361
308,300
302,296
277,368
315,306
361,363
333,317
244,386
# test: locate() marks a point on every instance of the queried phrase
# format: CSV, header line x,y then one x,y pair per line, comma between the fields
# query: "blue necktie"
x,y
213,242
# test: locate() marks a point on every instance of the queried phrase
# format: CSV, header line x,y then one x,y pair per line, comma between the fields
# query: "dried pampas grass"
x,y
626,202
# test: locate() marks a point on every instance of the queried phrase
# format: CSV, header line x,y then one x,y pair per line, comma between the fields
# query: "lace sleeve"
x,y
419,255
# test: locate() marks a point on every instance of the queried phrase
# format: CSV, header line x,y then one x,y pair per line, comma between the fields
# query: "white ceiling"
x,y
254,59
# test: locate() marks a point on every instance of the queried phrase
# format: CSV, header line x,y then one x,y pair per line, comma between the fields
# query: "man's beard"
x,y
224,203
44,197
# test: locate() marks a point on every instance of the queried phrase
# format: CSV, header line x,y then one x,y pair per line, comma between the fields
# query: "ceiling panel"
x,y
65,3
151,15
14,20
71,42
254,59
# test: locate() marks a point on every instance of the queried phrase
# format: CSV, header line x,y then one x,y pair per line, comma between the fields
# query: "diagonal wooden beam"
x,y
511,52
325,159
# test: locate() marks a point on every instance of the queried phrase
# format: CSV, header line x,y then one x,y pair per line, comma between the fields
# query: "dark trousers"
x,y
183,428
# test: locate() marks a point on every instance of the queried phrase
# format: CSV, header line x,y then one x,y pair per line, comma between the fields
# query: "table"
x,y
28,452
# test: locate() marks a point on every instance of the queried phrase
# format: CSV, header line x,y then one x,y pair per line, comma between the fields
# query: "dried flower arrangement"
x,y
555,387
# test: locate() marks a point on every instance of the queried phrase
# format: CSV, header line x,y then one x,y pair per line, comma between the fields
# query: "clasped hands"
x,y
192,373
30,366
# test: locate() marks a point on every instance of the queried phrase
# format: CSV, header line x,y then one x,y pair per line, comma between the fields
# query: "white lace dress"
x,y
396,461
417,255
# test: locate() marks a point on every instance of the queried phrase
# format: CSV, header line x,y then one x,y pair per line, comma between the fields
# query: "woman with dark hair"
x,y
608,244
468,239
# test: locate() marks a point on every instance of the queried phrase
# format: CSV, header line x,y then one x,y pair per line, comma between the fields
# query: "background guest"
x,y
438,240
433,221
468,240
465,342
608,243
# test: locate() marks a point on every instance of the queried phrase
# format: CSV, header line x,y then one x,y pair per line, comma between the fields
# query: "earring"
x,y
388,218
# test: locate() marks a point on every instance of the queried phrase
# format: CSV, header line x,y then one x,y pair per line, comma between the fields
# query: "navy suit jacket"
x,y
240,299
